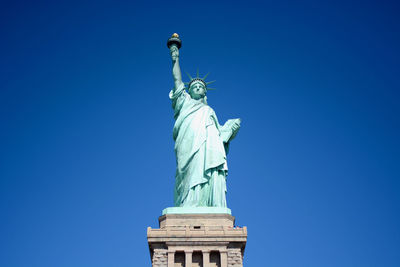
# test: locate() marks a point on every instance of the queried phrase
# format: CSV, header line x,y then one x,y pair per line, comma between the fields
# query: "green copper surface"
x,y
196,210
201,145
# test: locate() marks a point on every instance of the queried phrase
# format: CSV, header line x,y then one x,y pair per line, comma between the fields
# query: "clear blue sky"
x,y
87,159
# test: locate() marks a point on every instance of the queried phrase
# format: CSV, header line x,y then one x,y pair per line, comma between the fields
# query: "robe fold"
x,y
201,171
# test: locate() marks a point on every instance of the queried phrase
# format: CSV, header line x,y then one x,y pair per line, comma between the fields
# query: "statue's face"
x,y
197,90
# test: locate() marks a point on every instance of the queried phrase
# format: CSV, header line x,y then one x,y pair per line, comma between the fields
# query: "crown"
x,y
198,79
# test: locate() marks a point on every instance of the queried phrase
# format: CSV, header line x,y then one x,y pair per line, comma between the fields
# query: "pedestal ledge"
x,y
196,220
196,210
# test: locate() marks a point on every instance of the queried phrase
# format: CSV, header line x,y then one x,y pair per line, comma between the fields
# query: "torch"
x,y
174,40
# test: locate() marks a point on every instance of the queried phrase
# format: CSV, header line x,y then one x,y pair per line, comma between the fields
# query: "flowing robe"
x,y
200,153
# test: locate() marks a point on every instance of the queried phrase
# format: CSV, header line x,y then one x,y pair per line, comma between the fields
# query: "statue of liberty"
x,y
201,143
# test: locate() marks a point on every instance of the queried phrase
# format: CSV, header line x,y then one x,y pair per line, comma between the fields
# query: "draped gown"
x,y
200,178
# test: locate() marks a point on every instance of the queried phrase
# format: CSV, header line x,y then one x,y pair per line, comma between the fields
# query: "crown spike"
x,y
207,83
197,78
204,78
190,77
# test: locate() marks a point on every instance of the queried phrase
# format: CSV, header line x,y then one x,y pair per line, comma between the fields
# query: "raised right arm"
x,y
176,70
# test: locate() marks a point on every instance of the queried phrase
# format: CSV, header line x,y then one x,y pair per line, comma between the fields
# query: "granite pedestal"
x,y
197,240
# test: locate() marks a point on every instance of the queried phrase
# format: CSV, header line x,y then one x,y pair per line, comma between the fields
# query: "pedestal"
x,y
197,240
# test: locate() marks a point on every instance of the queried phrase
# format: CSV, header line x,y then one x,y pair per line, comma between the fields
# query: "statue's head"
x,y
198,87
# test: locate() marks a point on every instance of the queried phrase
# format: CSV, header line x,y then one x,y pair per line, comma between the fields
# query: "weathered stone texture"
x,y
197,239
160,258
235,257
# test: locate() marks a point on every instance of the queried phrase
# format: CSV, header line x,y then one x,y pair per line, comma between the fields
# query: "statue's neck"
x,y
204,100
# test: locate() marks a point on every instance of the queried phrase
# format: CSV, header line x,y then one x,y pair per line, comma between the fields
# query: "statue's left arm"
x,y
235,128
229,130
